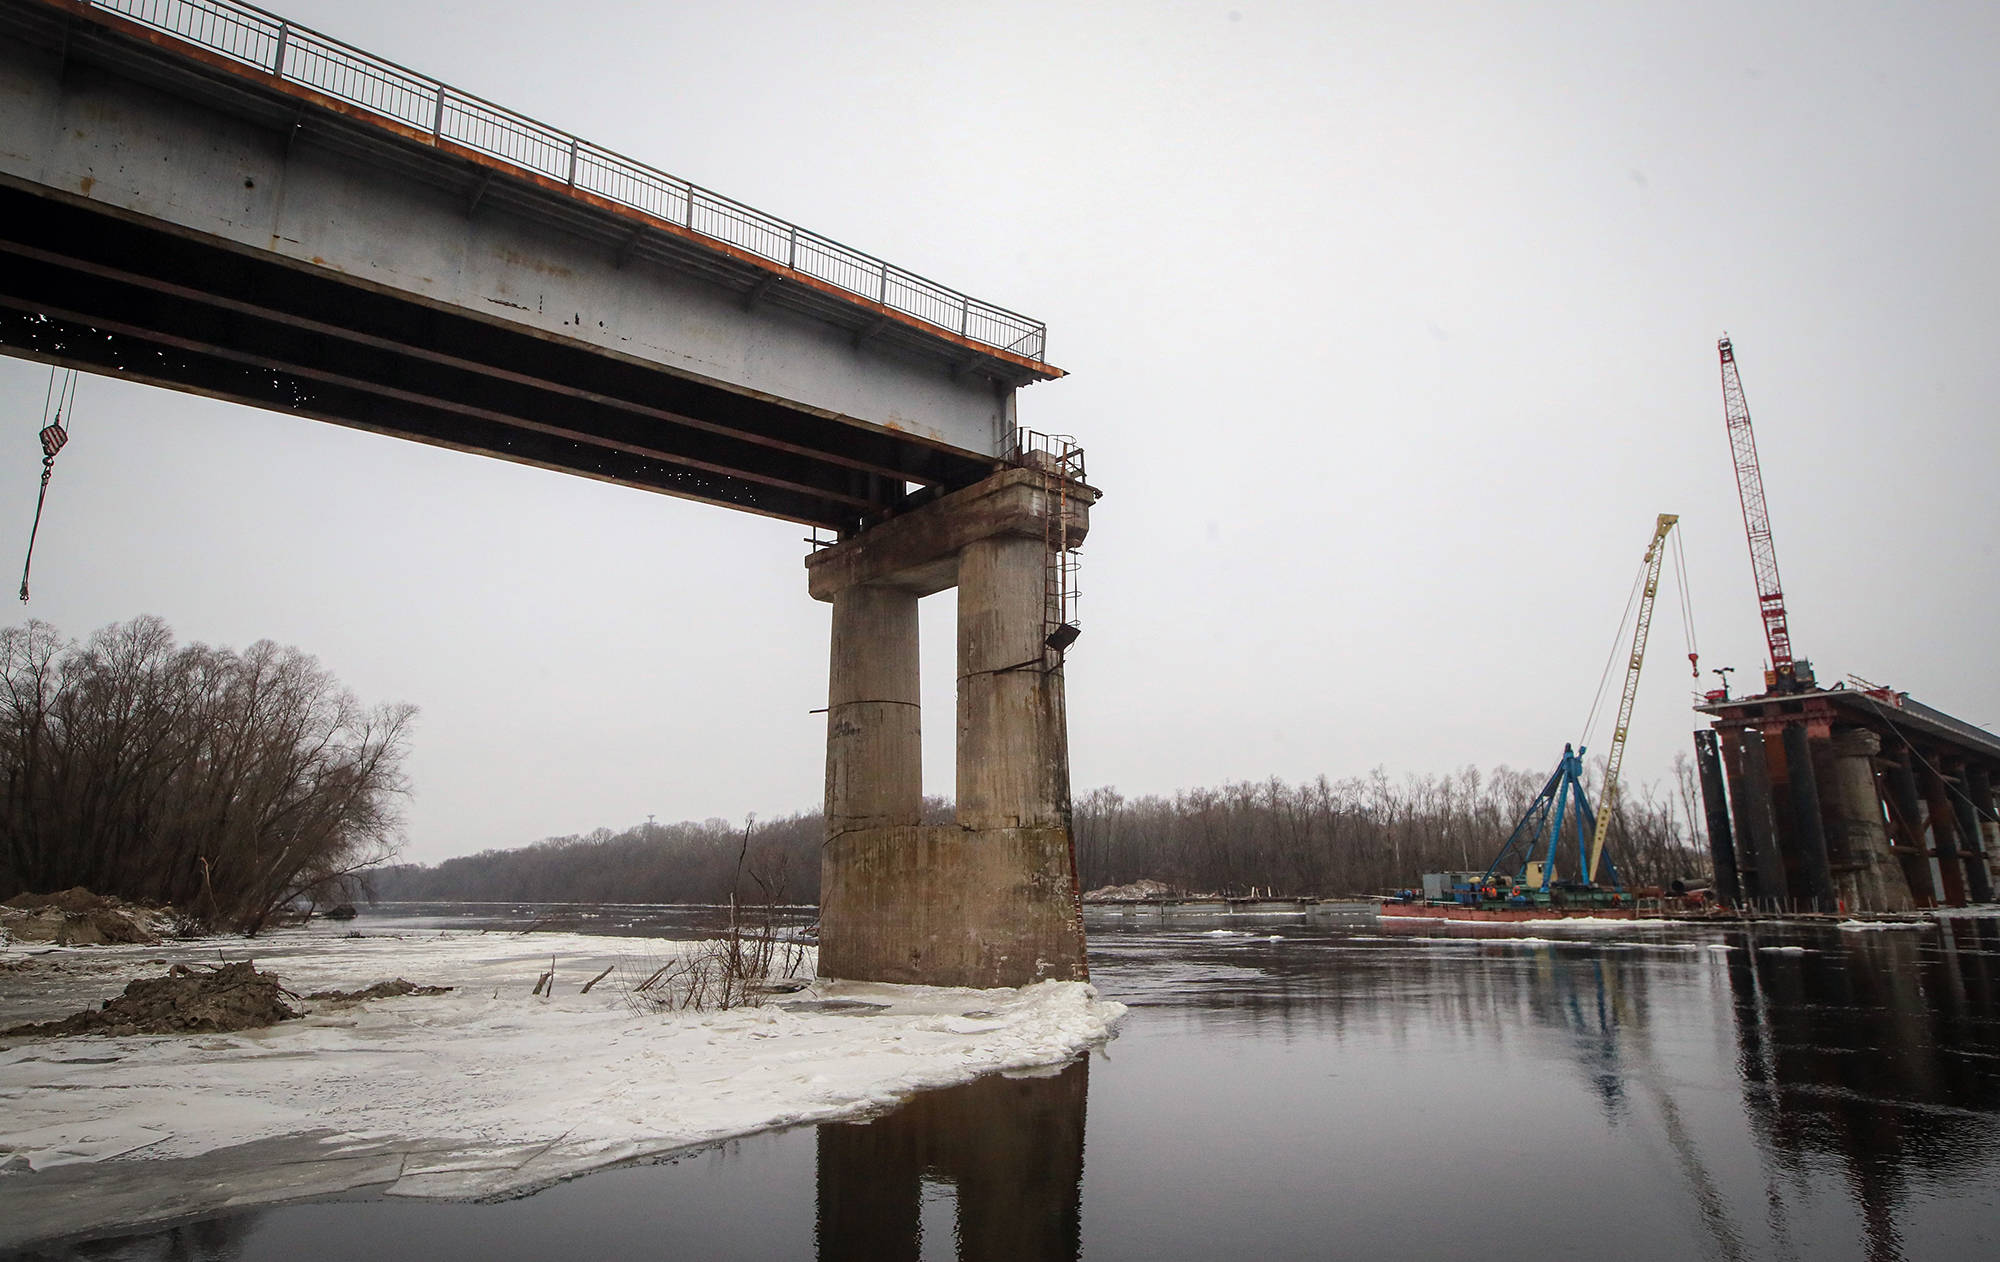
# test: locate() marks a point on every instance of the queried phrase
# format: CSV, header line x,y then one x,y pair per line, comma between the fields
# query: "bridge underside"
x,y
205,227
95,291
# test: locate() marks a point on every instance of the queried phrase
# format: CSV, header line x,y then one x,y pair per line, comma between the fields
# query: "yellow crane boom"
x,y
1656,552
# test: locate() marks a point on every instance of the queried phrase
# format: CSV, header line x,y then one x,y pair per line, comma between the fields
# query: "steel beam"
x,y
184,226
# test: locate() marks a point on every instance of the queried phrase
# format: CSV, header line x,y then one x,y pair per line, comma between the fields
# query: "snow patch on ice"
x,y
522,1091
1858,925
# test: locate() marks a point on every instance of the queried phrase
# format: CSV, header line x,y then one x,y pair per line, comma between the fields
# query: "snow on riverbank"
x,y
486,1090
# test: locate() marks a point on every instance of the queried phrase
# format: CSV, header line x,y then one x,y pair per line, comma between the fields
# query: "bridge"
x,y
203,196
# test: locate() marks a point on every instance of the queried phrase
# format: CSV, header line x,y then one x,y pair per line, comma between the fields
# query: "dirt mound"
x,y
199,1000
75,898
77,917
380,990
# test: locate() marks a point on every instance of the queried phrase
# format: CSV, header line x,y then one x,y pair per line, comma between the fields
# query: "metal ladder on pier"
x,y
1059,461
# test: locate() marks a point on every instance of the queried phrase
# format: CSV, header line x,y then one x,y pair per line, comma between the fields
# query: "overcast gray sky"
x,y
1391,329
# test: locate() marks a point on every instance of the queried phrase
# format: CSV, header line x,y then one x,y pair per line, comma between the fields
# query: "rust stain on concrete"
x,y
519,259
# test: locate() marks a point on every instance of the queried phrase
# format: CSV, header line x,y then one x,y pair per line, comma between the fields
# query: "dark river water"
x,y
1321,1087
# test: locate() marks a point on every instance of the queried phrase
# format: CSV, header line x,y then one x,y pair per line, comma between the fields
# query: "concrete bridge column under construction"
x,y
990,899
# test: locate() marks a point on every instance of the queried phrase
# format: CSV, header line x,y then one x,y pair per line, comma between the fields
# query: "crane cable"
x,y
1617,642
1687,605
53,437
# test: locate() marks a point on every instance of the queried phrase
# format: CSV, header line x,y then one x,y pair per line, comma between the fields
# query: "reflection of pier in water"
x,y
1874,1053
1879,1051
1884,1055
1010,1148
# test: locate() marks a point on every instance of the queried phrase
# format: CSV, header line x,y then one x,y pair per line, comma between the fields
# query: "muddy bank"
x,y
77,917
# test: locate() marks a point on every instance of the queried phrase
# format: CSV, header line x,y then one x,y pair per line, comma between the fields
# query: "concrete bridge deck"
x,y
205,197
199,195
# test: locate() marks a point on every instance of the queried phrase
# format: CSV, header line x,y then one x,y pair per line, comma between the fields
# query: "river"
x,y
1307,1085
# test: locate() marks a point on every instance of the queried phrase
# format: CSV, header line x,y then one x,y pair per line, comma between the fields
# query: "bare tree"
x,y
229,784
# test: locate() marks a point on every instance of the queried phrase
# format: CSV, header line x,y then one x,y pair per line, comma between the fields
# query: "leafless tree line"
x,y
227,784
689,862
1322,837
1361,835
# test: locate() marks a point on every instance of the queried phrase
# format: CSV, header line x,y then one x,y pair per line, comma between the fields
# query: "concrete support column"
x,y
1715,805
1874,880
990,900
874,738
1013,755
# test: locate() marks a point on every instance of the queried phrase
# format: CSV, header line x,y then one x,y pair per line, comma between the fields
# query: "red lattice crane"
x,y
1786,674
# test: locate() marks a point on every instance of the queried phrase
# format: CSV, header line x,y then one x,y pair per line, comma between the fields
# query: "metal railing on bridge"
x,y
296,54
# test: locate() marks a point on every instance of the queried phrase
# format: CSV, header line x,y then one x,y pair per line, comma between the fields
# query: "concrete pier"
x,y
1013,754
1854,799
990,899
1869,877
874,732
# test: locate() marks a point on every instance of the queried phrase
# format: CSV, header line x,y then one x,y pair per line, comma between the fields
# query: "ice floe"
x,y
487,1090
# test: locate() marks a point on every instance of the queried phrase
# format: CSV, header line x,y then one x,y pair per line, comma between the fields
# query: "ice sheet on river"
x,y
481,1092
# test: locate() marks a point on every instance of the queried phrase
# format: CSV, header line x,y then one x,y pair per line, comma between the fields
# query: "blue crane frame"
x,y
1542,824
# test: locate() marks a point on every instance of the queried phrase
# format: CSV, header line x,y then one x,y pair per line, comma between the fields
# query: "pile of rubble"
x,y
77,917
202,999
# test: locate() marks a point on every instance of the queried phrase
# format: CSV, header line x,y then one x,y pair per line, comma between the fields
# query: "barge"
x,y
1392,907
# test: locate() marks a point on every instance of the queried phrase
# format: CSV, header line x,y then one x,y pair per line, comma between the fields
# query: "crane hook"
x,y
53,437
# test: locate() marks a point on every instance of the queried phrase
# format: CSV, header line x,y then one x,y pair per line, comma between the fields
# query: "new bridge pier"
x,y
990,899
